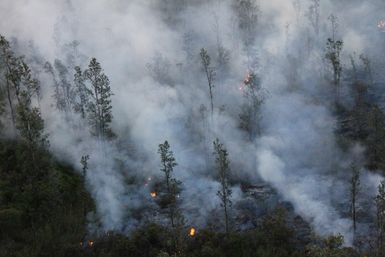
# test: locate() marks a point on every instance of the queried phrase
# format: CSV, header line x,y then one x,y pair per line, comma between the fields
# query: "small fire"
x,y
153,194
192,232
90,243
248,79
381,25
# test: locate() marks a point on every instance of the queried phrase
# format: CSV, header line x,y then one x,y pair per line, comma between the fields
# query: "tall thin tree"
x,y
210,76
223,170
354,190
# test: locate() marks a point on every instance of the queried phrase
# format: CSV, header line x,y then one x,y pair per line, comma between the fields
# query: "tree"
x,y
28,118
159,69
210,75
223,170
167,167
367,67
84,162
64,92
333,55
254,98
81,93
10,65
380,206
375,140
247,14
314,15
171,197
331,247
354,190
99,109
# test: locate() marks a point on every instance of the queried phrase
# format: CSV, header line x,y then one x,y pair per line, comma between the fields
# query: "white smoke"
x,y
297,151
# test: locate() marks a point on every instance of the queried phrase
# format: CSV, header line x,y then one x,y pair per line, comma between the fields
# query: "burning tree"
x,y
254,98
223,173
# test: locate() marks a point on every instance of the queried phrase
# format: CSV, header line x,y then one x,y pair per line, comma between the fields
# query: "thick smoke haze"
x,y
150,52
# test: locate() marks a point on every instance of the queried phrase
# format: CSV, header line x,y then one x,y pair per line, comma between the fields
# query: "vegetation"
x,y
47,206
224,193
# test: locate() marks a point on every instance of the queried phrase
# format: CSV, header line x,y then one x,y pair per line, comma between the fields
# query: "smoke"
x,y
296,152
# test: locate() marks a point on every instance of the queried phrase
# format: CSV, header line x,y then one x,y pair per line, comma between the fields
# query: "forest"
x,y
192,128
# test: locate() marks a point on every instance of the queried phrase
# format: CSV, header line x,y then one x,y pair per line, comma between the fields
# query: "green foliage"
x,y
41,208
380,222
82,93
224,194
169,200
99,109
365,123
331,247
333,55
19,85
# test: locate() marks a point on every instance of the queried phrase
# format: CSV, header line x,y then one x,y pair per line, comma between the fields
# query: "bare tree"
x,y
355,188
210,75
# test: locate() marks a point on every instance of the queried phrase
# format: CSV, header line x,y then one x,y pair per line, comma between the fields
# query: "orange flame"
x,y
153,194
192,232
90,243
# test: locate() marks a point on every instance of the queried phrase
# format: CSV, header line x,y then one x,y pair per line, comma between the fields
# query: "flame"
x,y
192,232
153,194
381,25
248,79
90,243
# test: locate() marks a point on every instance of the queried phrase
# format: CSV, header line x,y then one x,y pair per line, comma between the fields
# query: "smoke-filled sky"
x,y
296,152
